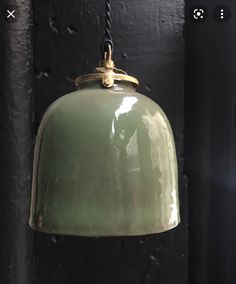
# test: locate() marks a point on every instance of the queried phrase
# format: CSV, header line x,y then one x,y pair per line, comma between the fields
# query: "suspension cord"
x,y
107,40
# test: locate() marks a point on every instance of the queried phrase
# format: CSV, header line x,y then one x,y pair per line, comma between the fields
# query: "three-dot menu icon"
x,y
222,13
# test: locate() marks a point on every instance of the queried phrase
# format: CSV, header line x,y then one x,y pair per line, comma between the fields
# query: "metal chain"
x,y
107,40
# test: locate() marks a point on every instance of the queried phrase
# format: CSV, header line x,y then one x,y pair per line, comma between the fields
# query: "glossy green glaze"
x,y
105,165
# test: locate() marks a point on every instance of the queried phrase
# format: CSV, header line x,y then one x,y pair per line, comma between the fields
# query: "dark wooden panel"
x,y
16,239
210,145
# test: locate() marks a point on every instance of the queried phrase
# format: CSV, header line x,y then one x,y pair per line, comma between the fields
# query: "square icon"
x,y
198,13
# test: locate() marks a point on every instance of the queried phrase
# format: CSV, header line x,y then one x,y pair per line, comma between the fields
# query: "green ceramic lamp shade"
x,y
105,162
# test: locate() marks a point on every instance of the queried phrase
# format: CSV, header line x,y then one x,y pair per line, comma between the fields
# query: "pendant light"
x,y
105,161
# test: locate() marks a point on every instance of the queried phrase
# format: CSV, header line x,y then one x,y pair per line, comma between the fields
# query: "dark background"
x,y
54,41
210,145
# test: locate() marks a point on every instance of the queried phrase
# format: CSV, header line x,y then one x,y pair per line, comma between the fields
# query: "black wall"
x,y
149,44
210,144
16,140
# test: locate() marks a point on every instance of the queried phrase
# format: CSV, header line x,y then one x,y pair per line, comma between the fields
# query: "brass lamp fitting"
x,y
107,73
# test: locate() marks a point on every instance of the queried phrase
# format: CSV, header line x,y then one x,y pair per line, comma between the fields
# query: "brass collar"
x,y
107,73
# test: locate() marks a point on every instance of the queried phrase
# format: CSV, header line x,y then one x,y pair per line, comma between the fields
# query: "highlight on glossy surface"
x,y
105,165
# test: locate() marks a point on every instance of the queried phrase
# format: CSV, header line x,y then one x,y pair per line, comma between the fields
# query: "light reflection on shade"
x,y
159,134
174,210
126,106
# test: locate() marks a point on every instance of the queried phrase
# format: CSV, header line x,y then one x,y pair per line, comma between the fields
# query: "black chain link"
x,y
107,40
